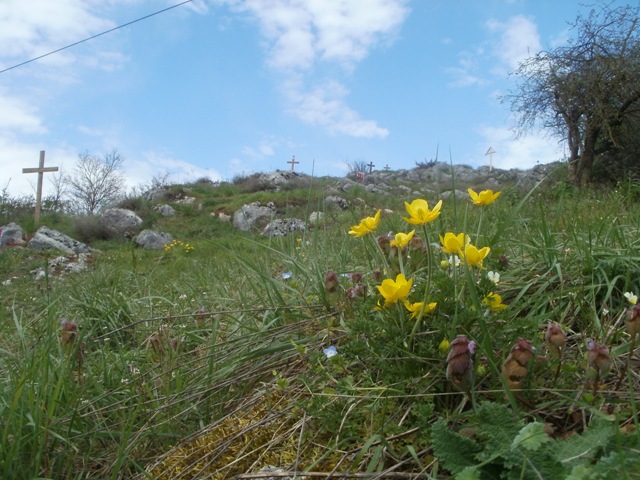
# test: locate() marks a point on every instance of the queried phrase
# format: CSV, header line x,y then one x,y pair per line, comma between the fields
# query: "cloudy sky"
x,y
219,88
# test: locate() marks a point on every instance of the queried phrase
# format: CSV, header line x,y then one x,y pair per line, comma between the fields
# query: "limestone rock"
x,y
48,239
11,235
165,210
121,221
281,227
152,240
251,214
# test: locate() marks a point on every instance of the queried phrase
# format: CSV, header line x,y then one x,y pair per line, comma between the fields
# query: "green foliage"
x,y
457,453
174,340
503,447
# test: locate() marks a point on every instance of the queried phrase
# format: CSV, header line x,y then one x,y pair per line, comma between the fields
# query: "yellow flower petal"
x,y
473,256
366,225
419,212
401,240
394,290
452,243
416,308
494,302
485,197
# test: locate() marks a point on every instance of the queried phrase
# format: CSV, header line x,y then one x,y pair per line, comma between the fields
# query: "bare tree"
x,y
586,92
96,182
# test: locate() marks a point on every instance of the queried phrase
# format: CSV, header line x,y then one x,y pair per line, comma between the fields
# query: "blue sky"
x,y
218,88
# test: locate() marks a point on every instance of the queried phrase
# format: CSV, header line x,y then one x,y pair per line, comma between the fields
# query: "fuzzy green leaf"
x,y
497,428
469,473
453,450
582,449
531,436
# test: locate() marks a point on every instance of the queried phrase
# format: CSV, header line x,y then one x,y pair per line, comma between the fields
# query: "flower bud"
x,y
444,346
384,242
355,277
376,275
69,332
331,282
556,339
460,362
516,366
598,359
633,321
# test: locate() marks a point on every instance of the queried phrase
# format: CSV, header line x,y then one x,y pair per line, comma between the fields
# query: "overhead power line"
x,y
96,35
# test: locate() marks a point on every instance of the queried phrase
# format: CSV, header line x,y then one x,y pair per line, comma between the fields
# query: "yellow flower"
x,y
367,225
485,197
419,212
394,290
415,308
631,297
494,302
401,240
452,243
473,256
444,346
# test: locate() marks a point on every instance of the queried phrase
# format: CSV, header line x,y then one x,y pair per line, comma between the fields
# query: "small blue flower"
x,y
330,352
286,275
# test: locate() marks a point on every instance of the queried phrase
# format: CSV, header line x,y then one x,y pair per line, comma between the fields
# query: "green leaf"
x,y
581,449
497,428
453,450
531,436
469,473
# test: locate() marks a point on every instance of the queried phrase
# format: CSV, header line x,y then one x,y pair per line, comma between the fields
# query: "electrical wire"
x,y
96,36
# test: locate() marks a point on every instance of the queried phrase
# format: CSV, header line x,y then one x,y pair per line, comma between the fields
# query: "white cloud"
x,y
18,115
140,171
302,35
518,40
524,152
33,28
16,156
325,105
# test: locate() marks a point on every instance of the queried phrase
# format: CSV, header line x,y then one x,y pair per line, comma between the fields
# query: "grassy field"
x,y
504,349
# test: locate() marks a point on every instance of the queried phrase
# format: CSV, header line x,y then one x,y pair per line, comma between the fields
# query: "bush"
x,y
89,228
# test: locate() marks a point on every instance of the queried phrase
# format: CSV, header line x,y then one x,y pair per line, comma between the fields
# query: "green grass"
x,y
210,362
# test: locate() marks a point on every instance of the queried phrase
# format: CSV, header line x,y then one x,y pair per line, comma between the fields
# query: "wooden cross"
x,y
40,170
387,168
490,154
370,165
293,162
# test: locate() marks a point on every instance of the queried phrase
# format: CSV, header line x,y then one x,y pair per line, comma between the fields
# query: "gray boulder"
x,y
281,227
337,200
11,235
250,214
48,239
316,217
121,221
158,194
152,240
165,210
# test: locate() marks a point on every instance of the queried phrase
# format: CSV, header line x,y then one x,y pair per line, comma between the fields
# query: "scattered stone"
x,y
64,264
121,221
186,200
337,200
152,240
165,210
48,239
158,194
457,193
11,235
281,227
223,217
250,215
316,217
